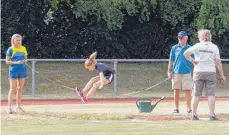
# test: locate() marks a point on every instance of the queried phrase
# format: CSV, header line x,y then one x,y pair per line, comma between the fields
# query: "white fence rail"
x,y
115,62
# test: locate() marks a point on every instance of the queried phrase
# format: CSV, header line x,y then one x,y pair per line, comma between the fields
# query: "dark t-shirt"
x,y
100,67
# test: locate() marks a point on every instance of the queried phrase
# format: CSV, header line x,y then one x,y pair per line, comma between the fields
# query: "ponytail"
x,y
93,55
91,60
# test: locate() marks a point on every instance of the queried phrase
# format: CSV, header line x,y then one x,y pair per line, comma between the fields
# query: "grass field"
x,y
107,119
131,77
112,119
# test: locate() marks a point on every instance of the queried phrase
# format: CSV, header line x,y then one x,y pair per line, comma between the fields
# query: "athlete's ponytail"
x,y
93,55
91,60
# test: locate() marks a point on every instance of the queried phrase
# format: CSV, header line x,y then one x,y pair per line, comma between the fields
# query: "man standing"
x,y
179,69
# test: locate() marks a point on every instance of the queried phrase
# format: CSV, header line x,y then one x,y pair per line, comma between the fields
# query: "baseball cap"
x,y
182,34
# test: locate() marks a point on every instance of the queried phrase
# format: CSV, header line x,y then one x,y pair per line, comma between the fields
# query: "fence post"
x,y
33,77
115,77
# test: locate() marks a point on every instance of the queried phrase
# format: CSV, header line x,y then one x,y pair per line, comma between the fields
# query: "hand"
x,y
101,86
194,62
222,79
169,75
20,62
25,61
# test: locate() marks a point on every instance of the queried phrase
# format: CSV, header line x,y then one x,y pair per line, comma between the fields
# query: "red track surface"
x,y
94,101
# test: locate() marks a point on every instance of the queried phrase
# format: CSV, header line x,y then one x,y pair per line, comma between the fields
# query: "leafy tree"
x,y
115,28
25,17
214,15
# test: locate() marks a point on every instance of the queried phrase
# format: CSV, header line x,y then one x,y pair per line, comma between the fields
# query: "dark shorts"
x,y
109,77
204,79
17,75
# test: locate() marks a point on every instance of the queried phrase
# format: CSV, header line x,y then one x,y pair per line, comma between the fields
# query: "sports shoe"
x,y
176,111
194,117
79,92
83,99
189,111
213,117
19,109
9,111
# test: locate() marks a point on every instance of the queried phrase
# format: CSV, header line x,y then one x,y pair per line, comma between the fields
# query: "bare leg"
x,y
13,85
21,83
176,98
90,83
195,102
211,103
94,87
188,99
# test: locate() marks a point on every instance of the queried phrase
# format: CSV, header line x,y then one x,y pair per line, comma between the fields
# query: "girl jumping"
x,y
105,77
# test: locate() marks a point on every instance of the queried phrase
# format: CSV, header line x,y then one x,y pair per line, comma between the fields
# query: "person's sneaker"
x,y
213,117
79,92
189,111
9,111
176,111
194,117
84,100
19,109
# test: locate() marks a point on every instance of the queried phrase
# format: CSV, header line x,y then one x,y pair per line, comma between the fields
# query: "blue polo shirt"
x,y
180,64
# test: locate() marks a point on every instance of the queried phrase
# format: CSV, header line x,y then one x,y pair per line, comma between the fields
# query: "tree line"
x,y
115,28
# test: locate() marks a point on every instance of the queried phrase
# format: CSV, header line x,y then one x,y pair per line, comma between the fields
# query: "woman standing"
x,y
16,57
207,58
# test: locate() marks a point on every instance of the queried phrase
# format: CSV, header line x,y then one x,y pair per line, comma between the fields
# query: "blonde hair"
x,y
13,37
91,60
205,35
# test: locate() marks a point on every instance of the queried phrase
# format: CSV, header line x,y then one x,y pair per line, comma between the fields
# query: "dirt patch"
x,y
175,117
161,117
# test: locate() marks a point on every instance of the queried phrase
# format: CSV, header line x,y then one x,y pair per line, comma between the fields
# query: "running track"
x,y
95,101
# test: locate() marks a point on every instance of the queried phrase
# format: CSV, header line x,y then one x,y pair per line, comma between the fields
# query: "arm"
x,y
220,69
26,56
25,60
170,69
188,56
171,60
101,75
9,62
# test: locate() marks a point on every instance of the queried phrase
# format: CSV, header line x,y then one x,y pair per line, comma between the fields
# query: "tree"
x,y
214,15
26,18
114,28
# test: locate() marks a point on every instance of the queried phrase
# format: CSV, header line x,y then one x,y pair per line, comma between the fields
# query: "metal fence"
x,y
114,61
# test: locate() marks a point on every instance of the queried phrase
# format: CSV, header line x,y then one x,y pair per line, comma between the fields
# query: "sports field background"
x,y
104,118
131,77
113,119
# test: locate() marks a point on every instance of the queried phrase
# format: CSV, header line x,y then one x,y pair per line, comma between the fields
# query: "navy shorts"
x,y
17,75
109,77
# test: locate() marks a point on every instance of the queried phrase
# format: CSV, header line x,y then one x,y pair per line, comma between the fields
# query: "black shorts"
x,y
109,77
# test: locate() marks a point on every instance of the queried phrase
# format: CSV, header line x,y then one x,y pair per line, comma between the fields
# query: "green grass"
x,y
104,124
112,119
131,77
